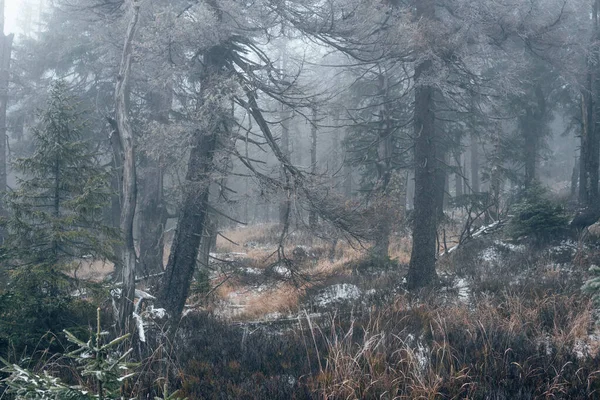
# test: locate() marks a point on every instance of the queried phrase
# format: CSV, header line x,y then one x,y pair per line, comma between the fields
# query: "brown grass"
x,y
499,346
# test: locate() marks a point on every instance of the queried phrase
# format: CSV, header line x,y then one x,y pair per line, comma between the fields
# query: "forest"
x,y
299,199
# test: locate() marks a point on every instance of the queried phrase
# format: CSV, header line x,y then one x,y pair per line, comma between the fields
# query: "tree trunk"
x,y
590,137
178,275
575,179
384,174
153,212
458,176
530,149
410,190
206,242
129,177
532,126
285,201
422,260
312,216
5,55
152,219
475,186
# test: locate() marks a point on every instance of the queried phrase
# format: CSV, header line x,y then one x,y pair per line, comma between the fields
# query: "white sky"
x,y
11,12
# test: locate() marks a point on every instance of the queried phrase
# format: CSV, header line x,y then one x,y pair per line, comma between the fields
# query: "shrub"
x,y
103,372
592,286
536,216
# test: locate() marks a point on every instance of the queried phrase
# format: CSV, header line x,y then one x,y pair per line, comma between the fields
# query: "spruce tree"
x,y
54,221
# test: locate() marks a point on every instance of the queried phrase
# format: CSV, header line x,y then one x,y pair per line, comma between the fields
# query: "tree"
x,y
590,135
129,189
5,55
422,259
180,268
55,220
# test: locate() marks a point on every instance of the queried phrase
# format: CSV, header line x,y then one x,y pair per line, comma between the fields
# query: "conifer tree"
x,y
54,220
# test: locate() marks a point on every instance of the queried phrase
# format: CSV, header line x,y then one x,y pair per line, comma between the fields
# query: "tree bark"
x,y
530,149
180,268
475,182
312,216
590,137
384,173
152,219
422,260
5,56
575,179
532,126
153,212
129,177
458,176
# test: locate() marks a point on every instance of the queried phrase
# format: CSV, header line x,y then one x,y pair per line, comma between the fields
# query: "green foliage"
x,y
536,216
105,367
592,286
373,263
54,222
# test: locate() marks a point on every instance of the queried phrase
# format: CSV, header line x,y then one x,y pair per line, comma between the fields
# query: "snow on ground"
x,y
338,293
282,271
464,290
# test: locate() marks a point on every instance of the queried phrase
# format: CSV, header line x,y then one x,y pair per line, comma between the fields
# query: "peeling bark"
x,y
129,193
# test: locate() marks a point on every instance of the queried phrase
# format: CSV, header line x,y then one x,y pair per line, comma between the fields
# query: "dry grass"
x,y
509,349
283,300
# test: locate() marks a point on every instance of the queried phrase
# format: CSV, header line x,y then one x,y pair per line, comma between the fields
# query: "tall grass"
x,y
498,349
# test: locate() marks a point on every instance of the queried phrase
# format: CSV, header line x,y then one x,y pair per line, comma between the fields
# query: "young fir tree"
x,y
54,221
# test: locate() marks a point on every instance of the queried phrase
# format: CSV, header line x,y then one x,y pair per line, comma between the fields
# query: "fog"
x,y
298,199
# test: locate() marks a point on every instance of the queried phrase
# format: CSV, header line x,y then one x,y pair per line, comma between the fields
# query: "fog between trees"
x,y
165,138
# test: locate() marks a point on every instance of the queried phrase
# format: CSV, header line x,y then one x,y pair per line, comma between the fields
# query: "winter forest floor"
x,y
507,320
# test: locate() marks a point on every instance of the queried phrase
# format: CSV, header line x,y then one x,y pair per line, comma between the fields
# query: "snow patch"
x,y
517,248
338,293
156,313
464,290
490,255
253,271
282,271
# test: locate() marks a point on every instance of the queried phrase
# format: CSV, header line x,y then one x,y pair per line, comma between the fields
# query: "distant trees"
x,y
6,42
423,88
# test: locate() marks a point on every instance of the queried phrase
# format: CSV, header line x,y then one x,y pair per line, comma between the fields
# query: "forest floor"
x,y
508,317
507,320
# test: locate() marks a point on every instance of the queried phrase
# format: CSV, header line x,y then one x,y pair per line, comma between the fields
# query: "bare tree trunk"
x,y
475,185
5,55
590,138
422,260
530,150
116,197
152,219
410,190
575,178
207,243
178,275
129,176
152,210
532,127
458,176
285,202
384,174
312,216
